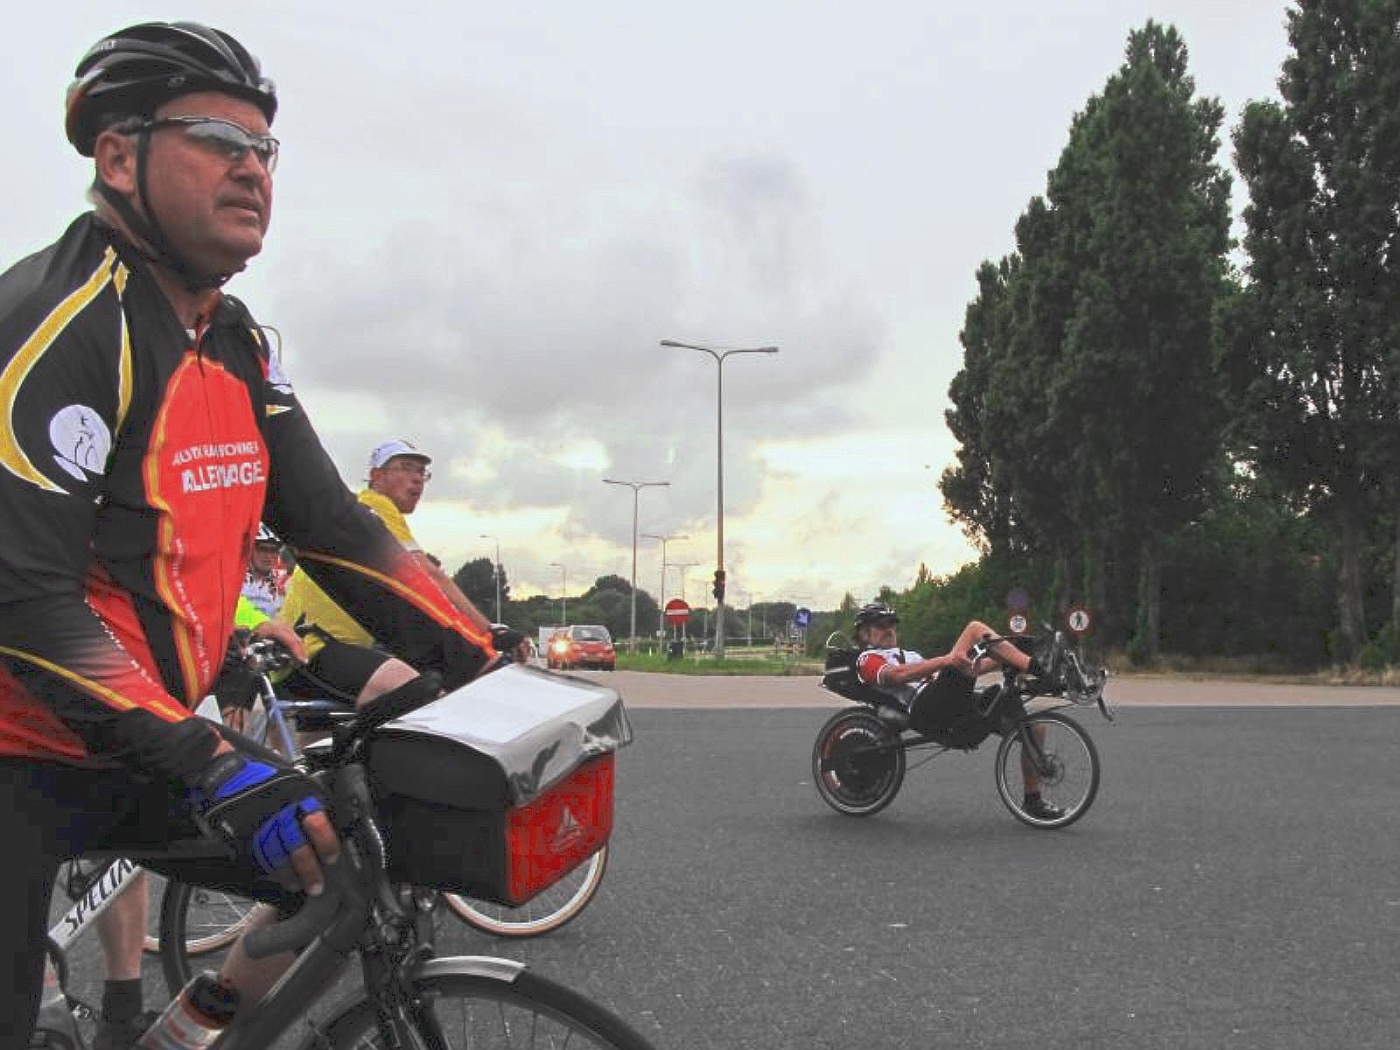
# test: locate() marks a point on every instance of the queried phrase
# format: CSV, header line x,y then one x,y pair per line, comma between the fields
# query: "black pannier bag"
x,y
502,787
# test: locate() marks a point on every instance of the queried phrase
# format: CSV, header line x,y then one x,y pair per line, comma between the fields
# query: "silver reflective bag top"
x,y
537,726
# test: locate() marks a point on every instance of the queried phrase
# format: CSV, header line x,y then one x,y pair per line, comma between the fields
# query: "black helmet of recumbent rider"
x,y
124,78
874,612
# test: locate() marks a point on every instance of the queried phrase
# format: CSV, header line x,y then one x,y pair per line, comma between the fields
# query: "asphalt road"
x,y
1235,886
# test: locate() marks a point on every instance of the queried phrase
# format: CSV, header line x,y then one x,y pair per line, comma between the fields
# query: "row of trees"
x,y
1196,446
608,602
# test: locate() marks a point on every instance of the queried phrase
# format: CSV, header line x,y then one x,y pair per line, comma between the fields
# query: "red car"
x,y
582,645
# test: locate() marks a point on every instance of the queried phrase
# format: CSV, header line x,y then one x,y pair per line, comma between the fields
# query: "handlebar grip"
x,y
301,929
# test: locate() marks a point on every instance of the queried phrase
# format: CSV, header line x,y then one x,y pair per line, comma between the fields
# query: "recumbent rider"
x,y
902,673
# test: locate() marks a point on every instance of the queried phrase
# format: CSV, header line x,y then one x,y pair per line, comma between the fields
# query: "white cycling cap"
x,y
396,447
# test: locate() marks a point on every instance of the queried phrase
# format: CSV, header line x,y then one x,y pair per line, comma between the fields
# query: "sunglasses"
x,y
231,141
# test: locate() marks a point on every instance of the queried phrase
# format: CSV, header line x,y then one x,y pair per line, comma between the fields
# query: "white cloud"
x,y
487,217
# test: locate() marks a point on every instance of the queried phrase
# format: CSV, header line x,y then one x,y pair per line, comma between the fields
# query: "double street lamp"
x,y
719,353
636,487
496,574
682,566
661,595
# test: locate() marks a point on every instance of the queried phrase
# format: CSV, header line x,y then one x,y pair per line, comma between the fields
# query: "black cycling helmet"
x,y
136,70
874,612
266,537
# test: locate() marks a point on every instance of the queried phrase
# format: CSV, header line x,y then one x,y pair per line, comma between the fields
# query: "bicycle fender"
x,y
473,966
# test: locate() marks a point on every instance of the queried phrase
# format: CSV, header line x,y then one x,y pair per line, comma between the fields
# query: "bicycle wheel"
x,y
548,911
1065,760
857,763
467,1010
195,920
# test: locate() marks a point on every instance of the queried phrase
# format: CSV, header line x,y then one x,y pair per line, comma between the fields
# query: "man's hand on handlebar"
x,y
963,662
275,816
284,635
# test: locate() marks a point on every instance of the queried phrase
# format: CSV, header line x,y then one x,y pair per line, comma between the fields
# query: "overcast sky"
x,y
487,216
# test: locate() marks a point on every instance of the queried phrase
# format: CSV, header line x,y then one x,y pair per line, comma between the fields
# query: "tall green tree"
x,y
1148,208
1314,338
477,581
1088,409
976,490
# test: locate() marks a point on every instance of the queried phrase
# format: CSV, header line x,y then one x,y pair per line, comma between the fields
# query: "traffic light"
x,y
718,589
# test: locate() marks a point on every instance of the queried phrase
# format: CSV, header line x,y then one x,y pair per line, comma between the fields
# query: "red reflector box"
x,y
549,837
500,788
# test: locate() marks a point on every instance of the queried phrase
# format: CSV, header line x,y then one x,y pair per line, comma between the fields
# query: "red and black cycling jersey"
x,y
136,460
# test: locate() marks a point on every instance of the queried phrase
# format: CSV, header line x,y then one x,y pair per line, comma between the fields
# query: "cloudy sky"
x,y
488,216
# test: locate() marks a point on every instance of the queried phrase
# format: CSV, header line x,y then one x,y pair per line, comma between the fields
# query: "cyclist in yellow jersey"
x,y
338,650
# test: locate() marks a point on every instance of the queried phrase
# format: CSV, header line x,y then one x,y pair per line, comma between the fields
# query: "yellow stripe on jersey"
x,y
170,711
12,457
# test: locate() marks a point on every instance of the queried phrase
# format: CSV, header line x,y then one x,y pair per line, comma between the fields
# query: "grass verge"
x,y
704,663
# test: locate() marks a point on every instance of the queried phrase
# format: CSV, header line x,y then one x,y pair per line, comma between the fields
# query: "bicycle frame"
x,y
110,882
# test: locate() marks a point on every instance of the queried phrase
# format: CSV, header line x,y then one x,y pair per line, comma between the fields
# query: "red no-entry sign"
x,y
677,612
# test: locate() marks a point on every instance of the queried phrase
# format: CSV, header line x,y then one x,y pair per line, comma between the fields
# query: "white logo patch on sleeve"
x,y
81,441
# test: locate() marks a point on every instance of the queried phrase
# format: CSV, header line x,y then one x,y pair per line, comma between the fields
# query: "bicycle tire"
x,y
229,916
1072,783
521,1012
857,764
550,910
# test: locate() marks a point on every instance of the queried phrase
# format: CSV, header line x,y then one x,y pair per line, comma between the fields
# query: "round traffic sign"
x,y
1077,619
677,612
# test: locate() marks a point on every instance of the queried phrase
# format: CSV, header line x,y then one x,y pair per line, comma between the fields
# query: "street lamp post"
x,y
496,575
719,354
636,487
661,597
564,598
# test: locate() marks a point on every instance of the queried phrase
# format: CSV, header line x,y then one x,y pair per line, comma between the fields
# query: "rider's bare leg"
x,y
1030,779
389,675
121,929
255,977
1002,652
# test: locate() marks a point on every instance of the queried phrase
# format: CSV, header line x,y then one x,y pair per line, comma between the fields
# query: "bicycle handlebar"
x,y
361,860
344,880
294,933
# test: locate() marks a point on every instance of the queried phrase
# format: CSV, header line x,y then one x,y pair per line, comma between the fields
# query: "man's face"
x,y
264,559
214,211
402,479
882,634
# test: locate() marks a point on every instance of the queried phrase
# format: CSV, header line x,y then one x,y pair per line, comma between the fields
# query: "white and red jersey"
x,y
267,593
872,665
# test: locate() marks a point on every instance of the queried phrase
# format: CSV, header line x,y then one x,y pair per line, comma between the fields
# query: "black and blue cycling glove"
x,y
256,807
